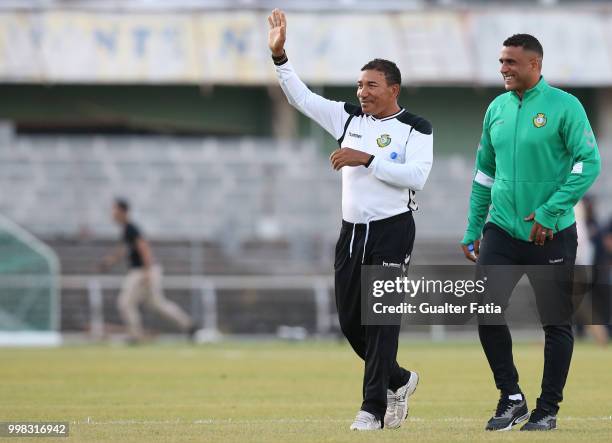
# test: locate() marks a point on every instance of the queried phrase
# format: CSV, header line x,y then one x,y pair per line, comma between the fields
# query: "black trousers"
x,y
388,240
499,248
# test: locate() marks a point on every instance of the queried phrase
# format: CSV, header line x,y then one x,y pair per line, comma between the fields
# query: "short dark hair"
x,y
526,41
390,69
122,204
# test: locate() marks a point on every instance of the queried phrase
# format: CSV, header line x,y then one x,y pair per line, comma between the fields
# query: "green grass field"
x,y
279,392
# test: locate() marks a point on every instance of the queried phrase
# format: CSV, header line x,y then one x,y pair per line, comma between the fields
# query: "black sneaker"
x,y
540,420
508,413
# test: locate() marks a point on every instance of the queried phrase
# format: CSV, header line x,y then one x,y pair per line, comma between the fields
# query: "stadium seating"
x,y
179,188
229,191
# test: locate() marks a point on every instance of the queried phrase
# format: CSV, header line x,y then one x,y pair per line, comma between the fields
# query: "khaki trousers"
x,y
135,290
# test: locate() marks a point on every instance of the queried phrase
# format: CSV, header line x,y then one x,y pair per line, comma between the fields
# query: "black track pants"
x,y
499,248
389,240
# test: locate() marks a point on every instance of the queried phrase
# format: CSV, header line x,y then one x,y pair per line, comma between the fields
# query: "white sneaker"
x,y
365,422
397,402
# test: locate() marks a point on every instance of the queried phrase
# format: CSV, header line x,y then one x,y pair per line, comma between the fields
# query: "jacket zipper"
x,y
518,112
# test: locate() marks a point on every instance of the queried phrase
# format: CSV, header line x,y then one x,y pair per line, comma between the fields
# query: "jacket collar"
x,y
389,117
539,87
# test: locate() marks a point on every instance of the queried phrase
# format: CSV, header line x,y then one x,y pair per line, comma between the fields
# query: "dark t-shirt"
x,y
131,234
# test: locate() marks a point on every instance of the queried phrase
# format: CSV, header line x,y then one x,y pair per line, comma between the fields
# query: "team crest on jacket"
x,y
539,120
383,140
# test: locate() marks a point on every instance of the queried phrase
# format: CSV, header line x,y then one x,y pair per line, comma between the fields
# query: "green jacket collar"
x,y
539,87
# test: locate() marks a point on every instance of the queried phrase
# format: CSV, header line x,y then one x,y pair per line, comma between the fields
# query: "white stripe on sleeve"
x,y
577,169
483,179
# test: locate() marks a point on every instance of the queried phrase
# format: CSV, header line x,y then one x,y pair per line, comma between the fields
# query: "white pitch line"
x,y
229,421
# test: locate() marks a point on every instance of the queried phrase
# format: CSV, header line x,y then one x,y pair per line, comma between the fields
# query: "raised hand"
x,y
278,32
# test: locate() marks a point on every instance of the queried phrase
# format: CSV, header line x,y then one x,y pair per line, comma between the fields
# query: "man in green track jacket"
x,y
537,157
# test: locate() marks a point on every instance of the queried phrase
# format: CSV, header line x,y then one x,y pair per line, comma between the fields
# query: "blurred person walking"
x,y
536,159
143,282
385,154
591,254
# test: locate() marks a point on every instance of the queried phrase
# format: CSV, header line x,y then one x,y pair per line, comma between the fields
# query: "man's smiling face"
x,y
520,68
373,92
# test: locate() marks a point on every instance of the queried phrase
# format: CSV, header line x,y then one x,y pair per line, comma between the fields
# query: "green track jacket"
x,y
536,154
